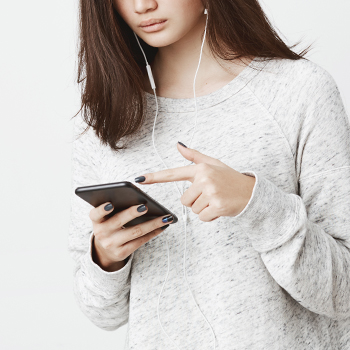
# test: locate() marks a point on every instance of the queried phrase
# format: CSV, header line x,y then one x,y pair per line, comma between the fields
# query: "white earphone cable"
x,y
184,211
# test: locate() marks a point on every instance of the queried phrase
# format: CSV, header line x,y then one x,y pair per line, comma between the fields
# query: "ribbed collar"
x,y
184,105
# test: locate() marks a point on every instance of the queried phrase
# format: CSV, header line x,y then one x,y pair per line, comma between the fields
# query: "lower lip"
x,y
154,27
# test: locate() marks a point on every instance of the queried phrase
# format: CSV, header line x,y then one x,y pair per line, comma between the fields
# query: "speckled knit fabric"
x,y
277,276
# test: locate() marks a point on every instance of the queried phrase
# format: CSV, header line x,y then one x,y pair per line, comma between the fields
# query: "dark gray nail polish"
x,y
140,179
181,144
141,208
108,207
168,218
164,227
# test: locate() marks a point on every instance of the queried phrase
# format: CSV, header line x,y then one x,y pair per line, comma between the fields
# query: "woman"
x,y
267,196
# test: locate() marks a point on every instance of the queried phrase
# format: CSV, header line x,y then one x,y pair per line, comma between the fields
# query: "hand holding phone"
x,y
113,243
122,229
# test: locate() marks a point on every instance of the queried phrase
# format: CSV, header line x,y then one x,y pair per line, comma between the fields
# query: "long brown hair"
x,y
111,66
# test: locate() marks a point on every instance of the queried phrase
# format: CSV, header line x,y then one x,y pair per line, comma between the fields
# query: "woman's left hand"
x,y
216,190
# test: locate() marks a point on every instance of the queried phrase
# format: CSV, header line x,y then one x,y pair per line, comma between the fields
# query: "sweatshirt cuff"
x,y
111,281
270,216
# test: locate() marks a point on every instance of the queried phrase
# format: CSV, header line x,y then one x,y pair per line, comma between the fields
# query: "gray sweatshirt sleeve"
x,y
102,296
304,239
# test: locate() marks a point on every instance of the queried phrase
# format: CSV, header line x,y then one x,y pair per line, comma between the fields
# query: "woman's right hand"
x,y
112,243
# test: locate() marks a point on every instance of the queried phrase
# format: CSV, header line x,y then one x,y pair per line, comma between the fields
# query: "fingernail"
x,y
182,144
141,208
140,179
167,218
108,207
164,227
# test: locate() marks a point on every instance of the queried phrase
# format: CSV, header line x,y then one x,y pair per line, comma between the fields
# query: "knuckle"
x,y
218,204
98,232
122,253
212,190
195,210
201,218
168,174
203,166
136,231
117,223
202,181
106,244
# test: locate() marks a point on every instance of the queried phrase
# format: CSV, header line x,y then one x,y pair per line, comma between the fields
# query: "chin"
x,y
159,39
156,42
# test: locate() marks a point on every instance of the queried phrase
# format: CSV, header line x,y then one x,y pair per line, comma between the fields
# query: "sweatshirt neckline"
x,y
166,104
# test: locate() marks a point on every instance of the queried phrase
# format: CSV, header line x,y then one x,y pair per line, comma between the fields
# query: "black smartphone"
x,y
123,195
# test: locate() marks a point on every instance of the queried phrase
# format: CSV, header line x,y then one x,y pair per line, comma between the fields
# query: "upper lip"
x,y
151,21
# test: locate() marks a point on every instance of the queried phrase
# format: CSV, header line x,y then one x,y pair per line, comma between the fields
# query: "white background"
x,y
38,96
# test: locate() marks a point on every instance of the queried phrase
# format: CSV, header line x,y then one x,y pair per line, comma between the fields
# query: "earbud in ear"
x,y
205,11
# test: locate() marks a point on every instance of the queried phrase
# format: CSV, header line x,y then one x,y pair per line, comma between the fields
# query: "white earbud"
x,y
205,11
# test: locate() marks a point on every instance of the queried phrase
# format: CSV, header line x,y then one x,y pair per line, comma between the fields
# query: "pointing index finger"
x,y
169,175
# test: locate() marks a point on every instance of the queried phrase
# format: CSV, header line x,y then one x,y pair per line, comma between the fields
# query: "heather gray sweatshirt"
x,y
277,276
